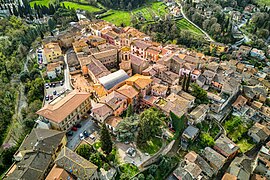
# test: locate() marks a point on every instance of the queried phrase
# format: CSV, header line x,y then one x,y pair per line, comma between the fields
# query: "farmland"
x,y
42,2
185,25
79,6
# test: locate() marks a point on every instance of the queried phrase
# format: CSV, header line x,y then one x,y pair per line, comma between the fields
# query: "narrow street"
x,y
66,74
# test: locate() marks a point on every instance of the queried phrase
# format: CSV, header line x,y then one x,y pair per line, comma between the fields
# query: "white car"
x,y
81,136
92,136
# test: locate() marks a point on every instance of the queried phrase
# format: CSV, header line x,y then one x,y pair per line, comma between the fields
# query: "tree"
x,y
51,24
206,139
106,141
127,127
129,110
141,176
96,159
184,81
152,169
188,82
200,94
85,150
150,177
149,124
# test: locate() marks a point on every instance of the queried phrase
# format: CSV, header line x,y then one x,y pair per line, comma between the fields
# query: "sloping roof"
x,y
228,176
141,44
60,110
190,132
214,157
138,61
128,91
226,146
32,166
261,130
240,102
104,54
98,69
199,111
110,80
193,169
75,164
113,121
45,140
113,100
140,80
58,173
53,66
101,109
241,167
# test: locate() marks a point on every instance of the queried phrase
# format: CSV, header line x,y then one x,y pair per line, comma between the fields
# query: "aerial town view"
x,y
135,89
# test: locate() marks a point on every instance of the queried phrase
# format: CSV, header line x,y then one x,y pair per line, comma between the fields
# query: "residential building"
x,y
257,54
215,159
262,162
130,92
239,106
159,90
36,154
259,133
138,64
219,47
58,173
97,70
226,147
189,135
228,176
95,41
79,46
180,174
116,101
76,165
188,97
66,112
52,51
138,47
198,114
112,122
100,112
241,167
107,57
54,69
197,159
141,83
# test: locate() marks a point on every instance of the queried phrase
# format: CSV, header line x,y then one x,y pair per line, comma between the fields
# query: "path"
x,y
205,33
66,74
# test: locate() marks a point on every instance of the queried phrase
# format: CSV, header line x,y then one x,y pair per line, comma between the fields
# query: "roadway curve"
x,y
205,33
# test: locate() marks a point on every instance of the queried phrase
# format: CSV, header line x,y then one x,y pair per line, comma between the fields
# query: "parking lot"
x,y
87,125
50,91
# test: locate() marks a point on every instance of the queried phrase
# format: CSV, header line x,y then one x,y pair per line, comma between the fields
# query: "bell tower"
x,y
125,60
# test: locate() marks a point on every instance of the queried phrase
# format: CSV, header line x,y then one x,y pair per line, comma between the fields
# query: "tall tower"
x,y
125,60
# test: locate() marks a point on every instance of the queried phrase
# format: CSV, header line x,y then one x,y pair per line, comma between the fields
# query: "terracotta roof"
x,y
104,54
79,43
228,176
100,90
60,110
214,157
159,88
51,47
98,69
58,173
136,60
101,109
153,50
140,80
240,102
191,156
128,91
113,100
53,66
113,121
196,72
141,44
84,70
225,146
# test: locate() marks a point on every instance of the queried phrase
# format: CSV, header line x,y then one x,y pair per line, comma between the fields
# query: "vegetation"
x,y
85,150
178,124
117,17
152,146
149,126
123,4
127,127
128,170
129,111
245,144
200,94
80,6
106,140
206,139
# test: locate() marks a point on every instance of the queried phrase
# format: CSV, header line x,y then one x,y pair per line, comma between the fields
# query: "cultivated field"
x,y
185,25
79,6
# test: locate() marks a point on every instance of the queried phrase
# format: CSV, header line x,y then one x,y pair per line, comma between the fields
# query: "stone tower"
x,y
125,60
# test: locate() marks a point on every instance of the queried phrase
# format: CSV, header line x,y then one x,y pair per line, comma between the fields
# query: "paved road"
x,y
205,33
87,125
66,74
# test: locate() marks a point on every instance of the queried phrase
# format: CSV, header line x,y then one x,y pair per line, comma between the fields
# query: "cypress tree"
x,y
106,141
184,82
188,81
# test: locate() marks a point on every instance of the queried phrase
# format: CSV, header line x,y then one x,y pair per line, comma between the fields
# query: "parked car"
x,y
47,86
54,92
51,97
61,83
85,133
53,85
78,125
81,136
92,136
70,133
131,152
47,98
74,128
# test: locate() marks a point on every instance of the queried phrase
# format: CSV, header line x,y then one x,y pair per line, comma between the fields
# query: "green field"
x,y
79,6
185,25
42,2
263,2
118,17
159,8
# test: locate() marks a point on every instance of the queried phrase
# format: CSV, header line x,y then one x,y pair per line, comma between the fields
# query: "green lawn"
x,y
42,2
79,6
263,2
152,146
118,17
185,25
245,145
129,169
159,8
